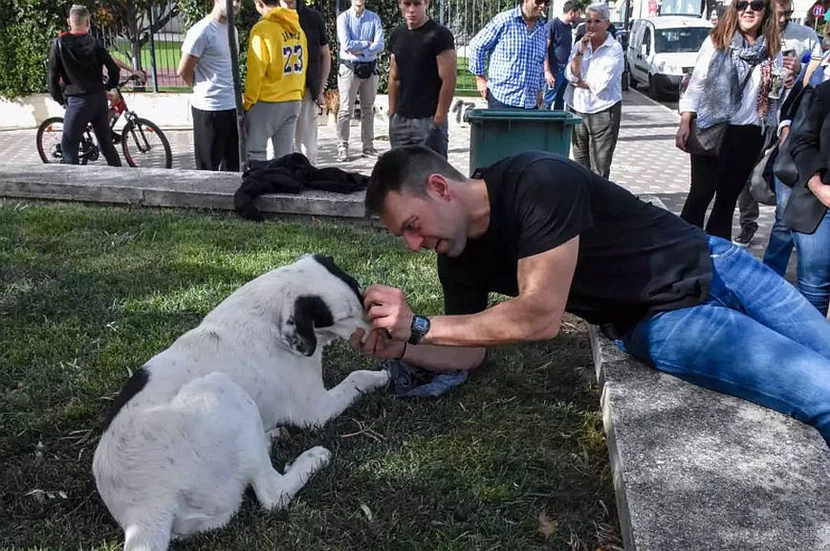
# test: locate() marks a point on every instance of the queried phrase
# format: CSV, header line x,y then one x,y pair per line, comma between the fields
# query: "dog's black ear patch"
x,y
133,386
328,263
309,312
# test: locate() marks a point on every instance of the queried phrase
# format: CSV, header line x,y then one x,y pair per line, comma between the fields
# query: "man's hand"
x,y
378,344
550,79
386,308
321,100
820,190
540,99
481,84
440,120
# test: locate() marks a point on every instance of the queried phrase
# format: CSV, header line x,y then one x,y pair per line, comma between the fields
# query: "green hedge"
x,y
26,28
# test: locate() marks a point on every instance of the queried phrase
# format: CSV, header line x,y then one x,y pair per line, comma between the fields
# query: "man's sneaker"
x,y
745,237
342,156
370,152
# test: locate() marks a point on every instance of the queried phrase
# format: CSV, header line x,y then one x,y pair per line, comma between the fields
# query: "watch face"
x,y
420,324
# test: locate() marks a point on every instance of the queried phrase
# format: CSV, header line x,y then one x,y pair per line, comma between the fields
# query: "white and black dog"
x,y
189,431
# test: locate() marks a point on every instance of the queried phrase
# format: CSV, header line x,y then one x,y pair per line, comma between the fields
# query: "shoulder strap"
x,y
811,68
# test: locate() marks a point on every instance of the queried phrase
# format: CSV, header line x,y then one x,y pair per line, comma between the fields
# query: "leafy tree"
x,y
130,20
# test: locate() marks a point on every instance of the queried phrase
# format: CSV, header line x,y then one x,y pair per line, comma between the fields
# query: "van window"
x,y
647,40
682,39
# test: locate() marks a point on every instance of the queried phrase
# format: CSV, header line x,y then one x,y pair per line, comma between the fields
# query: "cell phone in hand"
x,y
788,53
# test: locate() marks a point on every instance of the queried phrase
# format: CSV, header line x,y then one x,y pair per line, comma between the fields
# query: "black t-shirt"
x,y
315,30
634,258
415,52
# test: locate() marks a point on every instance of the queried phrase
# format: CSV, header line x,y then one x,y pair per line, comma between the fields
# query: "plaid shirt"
x,y
517,58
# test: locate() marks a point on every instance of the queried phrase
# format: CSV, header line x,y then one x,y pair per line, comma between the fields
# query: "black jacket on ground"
x,y
76,63
291,174
811,152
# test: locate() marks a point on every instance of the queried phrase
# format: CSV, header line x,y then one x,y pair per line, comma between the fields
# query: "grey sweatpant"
x,y
271,121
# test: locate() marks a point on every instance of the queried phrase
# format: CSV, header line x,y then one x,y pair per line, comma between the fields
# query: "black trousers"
x,y
722,178
81,111
216,140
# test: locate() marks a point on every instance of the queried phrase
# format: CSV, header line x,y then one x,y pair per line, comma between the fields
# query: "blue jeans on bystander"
x,y
556,96
813,252
755,337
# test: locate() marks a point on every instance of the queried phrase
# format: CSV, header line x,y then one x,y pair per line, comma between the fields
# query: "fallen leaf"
x,y
547,526
366,511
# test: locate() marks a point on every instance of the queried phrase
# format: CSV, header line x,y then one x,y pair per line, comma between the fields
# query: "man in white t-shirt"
x,y
206,66
796,41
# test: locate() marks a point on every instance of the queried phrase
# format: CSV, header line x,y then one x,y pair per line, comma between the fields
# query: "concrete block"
x,y
161,188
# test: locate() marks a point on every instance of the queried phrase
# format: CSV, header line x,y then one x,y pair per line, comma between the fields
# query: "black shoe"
x,y
745,237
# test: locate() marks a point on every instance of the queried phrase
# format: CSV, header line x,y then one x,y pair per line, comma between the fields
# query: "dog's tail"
x,y
150,534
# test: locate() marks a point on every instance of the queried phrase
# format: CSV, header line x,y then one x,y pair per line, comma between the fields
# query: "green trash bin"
x,y
499,133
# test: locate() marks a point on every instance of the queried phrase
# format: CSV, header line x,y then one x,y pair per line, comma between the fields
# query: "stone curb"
x,y
161,188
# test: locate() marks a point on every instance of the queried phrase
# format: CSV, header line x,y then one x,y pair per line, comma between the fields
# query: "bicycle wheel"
x,y
145,145
49,136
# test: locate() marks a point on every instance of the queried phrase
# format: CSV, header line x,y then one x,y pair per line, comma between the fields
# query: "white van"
x,y
662,49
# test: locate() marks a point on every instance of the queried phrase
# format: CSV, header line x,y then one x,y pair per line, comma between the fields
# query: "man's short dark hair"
x,y
271,3
570,5
405,168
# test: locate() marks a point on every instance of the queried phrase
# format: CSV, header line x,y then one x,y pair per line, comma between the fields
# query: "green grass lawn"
x,y
87,294
167,54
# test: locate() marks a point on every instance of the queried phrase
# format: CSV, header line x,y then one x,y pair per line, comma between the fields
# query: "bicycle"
x,y
142,141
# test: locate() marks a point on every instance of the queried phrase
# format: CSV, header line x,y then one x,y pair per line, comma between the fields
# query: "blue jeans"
x,y
556,96
755,337
780,246
813,253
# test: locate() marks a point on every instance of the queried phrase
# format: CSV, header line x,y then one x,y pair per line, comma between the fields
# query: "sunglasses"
x,y
756,5
594,21
787,14
541,2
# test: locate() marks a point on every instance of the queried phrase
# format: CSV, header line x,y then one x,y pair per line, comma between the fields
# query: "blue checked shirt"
x,y
517,58
359,33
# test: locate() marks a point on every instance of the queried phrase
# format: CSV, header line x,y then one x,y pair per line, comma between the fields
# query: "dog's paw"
x,y
366,381
310,461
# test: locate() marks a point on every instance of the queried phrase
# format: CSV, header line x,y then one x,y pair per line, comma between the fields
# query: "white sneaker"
x,y
342,156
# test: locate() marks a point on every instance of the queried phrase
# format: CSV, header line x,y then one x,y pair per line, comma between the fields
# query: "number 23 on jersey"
x,y
293,56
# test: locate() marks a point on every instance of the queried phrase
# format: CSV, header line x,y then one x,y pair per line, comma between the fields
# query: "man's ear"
x,y
439,185
309,312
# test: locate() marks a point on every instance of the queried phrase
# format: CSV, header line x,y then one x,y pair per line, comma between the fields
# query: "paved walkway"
x,y
646,160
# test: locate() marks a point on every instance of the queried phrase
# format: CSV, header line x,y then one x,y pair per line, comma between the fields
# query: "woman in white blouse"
x,y
730,84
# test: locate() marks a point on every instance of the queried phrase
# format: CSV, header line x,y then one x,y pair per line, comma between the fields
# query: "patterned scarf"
x,y
724,85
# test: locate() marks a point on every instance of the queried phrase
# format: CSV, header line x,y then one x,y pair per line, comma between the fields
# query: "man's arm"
x,y
187,68
377,44
258,60
447,72
344,37
325,52
479,48
433,358
54,82
393,85
536,314
113,72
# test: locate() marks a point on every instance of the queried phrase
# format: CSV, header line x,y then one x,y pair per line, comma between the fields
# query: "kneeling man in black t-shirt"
x,y
558,238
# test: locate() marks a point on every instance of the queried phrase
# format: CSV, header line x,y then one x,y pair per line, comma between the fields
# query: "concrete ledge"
x,y
697,470
161,188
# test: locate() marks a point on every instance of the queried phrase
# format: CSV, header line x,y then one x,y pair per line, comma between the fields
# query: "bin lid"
x,y
539,115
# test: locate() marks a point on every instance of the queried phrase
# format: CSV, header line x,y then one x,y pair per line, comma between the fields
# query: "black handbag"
x,y
785,169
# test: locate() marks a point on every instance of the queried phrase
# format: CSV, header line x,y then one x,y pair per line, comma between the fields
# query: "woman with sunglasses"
x,y
730,84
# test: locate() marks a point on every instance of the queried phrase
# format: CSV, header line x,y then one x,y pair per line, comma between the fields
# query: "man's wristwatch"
x,y
419,328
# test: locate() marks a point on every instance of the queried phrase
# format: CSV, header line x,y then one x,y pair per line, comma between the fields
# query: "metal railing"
x,y
158,53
